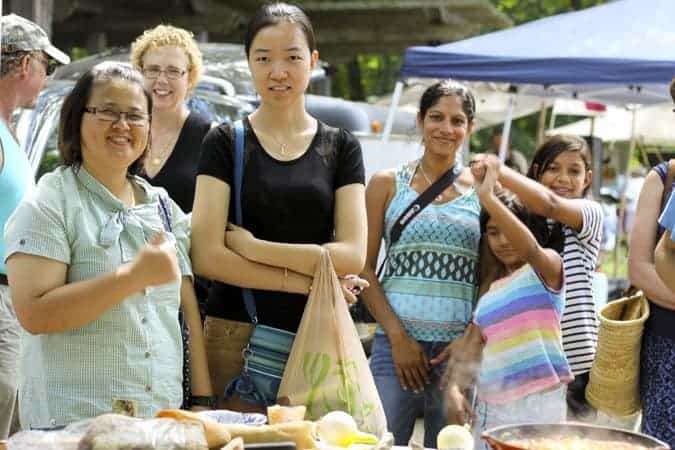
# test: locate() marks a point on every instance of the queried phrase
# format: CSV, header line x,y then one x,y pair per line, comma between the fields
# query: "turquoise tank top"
x,y
16,180
430,279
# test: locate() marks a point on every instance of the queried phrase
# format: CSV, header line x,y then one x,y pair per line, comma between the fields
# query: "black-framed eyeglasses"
x,y
134,119
171,73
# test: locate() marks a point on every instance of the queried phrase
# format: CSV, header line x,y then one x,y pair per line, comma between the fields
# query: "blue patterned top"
x,y
430,278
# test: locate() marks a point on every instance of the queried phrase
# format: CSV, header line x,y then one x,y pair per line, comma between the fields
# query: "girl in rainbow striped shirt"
x,y
514,345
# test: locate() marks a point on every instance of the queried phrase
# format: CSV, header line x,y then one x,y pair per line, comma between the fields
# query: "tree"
x,y
521,11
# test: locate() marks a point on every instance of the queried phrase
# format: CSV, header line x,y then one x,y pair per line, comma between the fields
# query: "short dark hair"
x,y
274,14
672,89
70,120
445,88
554,146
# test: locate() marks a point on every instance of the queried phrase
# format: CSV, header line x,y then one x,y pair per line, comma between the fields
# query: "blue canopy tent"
x,y
613,53
622,52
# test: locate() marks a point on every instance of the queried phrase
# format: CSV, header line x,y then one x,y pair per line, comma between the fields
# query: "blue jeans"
x,y
403,407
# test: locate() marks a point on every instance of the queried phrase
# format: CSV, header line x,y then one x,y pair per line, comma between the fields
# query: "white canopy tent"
x,y
492,101
654,125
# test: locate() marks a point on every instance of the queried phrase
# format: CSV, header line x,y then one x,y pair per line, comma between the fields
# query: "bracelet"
x,y
203,400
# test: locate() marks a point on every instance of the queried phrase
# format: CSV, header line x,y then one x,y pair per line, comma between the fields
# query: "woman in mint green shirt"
x,y
112,254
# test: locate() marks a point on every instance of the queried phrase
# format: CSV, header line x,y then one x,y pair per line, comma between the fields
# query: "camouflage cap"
x,y
22,35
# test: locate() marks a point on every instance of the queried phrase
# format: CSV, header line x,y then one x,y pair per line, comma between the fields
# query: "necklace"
x,y
159,154
439,197
282,146
157,157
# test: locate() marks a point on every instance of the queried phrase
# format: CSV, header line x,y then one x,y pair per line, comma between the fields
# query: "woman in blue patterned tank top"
x,y
425,296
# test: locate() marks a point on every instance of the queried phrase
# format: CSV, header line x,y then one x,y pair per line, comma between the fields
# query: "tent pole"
x,y
466,151
551,124
622,201
506,130
542,123
395,99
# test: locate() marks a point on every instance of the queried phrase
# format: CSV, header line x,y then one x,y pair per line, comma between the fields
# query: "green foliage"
x,y
366,77
523,133
521,11
78,53
373,75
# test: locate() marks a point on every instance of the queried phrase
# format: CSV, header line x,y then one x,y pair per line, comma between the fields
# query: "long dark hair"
x,y
549,151
548,234
276,13
70,120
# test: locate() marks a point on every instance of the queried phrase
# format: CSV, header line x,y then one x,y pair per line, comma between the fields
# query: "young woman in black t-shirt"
x,y
302,194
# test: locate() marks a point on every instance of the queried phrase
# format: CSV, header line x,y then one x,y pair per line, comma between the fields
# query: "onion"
x,y
339,428
454,437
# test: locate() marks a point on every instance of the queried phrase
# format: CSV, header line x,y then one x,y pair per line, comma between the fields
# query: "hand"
x,y
478,169
459,409
156,263
411,363
479,164
352,285
240,241
494,162
489,175
442,356
464,357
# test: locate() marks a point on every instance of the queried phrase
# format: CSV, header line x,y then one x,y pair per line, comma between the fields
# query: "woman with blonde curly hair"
x,y
171,64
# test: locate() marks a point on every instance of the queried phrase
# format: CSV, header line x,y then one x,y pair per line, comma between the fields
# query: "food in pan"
x,y
573,443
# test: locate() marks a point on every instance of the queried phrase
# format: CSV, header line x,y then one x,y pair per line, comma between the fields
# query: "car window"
x,y
37,129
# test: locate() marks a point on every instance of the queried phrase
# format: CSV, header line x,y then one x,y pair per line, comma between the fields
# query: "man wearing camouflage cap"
x,y
26,58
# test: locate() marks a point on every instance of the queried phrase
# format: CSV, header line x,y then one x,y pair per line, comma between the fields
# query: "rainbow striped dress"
x,y
520,320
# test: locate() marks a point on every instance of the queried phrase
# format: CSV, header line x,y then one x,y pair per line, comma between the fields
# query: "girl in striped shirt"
x,y
523,368
556,187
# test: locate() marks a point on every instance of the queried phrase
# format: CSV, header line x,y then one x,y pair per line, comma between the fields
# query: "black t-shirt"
x,y
282,201
179,173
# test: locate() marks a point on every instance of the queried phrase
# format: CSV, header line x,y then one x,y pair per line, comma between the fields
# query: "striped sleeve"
x,y
579,322
591,229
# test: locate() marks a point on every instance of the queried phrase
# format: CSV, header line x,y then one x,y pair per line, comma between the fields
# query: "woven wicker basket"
x,y
613,387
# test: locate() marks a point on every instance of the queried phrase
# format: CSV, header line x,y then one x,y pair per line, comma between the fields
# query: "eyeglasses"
x,y
134,119
49,63
171,73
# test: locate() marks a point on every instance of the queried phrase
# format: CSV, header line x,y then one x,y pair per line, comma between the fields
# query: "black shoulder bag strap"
x,y
416,207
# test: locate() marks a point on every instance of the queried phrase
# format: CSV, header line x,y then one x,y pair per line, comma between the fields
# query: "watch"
x,y
203,400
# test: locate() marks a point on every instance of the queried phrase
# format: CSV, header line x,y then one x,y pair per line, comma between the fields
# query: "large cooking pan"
x,y
499,437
